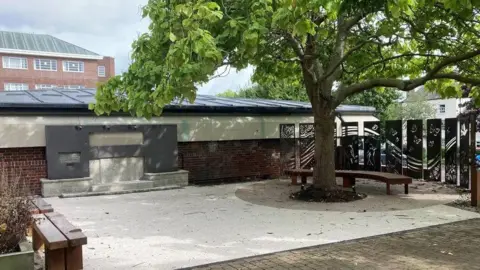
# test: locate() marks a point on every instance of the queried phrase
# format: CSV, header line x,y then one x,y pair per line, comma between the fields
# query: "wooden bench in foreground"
x,y
350,176
61,240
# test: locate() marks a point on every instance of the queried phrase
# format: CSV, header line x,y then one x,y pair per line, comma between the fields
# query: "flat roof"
x,y
77,101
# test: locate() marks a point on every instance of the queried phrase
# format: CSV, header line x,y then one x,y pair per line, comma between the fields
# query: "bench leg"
x,y
388,189
304,179
406,188
74,258
294,179
55,259
348,182
36,240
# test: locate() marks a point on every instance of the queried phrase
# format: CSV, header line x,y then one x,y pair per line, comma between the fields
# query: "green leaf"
x,y
172,37
304,27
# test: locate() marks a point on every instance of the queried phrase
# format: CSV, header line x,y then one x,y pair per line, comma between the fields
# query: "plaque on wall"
x,y
69,158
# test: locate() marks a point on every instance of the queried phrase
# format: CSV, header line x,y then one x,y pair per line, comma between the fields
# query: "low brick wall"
x,y
207,162
27,164
229,161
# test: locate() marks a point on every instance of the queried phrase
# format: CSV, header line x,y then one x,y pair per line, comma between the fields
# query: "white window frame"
x,y
80,64
101,71
441,108
15,86
39,67
45,86
74,87
6,62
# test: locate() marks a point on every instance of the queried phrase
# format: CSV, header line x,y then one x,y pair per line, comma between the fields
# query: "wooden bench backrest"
x,y
50,235
380,176
73,234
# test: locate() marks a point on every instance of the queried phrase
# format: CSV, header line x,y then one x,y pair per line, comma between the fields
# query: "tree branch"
x,y
331,70
396,57
296,46
408,85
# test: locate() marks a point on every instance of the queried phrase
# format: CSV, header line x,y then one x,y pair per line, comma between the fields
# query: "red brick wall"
x,y
28,164
109,63
89,78
228,161
207,162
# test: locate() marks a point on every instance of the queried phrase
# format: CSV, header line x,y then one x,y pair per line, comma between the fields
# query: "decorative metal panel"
x,y
350,145
463,157
287,146
434,146
394,146
307,146
415,149
371,160
451,150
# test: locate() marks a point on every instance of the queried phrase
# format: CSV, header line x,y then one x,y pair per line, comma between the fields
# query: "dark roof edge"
x,y
169,108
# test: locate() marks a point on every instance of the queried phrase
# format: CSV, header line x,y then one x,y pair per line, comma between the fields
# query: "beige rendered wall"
x,y
29,131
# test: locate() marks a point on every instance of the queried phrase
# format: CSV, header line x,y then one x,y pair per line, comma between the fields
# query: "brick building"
x,y
34,61
51,135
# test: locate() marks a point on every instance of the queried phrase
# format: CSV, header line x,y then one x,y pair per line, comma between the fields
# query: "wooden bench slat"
x,y
41,205
50,235
74,234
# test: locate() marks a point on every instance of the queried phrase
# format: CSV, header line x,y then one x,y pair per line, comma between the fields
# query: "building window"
x,y
46,64
74,87
16,86
14,62
441,108
73,66
101,71
45,86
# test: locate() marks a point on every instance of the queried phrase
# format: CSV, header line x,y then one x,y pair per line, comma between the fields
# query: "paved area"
x,y
199,225
422,194
450,246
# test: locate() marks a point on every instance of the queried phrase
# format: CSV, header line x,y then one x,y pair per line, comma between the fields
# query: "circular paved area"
x,y
275,193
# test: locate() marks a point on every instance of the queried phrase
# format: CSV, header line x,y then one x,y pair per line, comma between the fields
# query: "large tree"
x,y
337,47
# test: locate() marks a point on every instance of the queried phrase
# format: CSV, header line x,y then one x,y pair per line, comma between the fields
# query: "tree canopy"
x,y
335,48
361,44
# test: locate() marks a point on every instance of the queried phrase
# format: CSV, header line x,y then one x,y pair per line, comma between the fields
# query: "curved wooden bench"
x,y
350,176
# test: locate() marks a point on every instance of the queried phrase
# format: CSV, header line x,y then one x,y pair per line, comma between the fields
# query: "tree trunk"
x,y
324,170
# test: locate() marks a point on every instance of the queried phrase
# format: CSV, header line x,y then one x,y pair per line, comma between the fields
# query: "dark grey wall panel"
x,y
350,145
394,146
61,140
371,160
434,154
451,150
415,149
464,152
159,148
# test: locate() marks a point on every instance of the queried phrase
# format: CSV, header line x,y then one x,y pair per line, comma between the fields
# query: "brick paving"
x,y
449,246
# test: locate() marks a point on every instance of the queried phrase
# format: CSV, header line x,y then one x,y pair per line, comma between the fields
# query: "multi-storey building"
x,y
37,61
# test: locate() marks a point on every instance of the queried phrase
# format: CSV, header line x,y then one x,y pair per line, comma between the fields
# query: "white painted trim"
x,y
51,54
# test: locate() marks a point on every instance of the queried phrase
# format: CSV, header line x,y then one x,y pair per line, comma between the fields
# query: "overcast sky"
x,y
106,27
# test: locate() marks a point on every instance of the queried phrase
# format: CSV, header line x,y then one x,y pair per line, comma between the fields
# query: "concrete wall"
x,y
29,131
